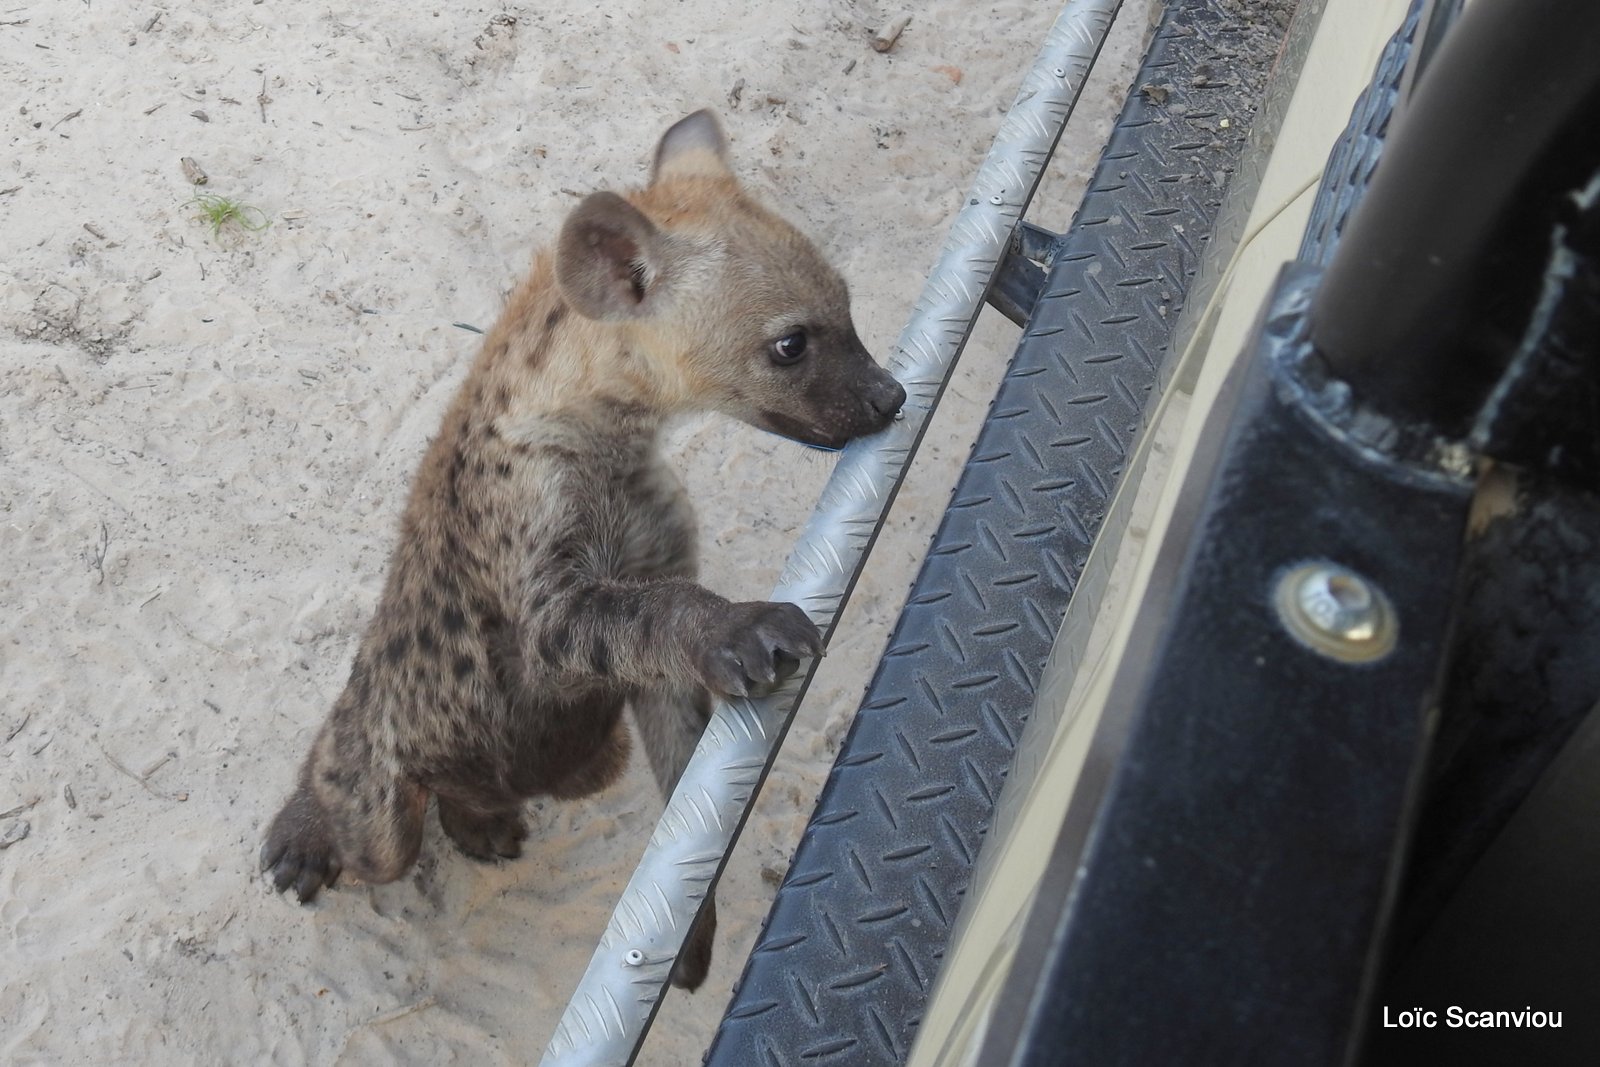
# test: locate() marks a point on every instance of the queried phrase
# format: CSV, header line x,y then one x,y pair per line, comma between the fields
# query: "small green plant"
x,y
223,211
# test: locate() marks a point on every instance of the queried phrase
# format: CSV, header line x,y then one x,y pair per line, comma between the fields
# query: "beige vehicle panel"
x,y
1339,50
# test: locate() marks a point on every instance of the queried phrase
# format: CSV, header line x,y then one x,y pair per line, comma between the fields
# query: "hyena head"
x,y
739,310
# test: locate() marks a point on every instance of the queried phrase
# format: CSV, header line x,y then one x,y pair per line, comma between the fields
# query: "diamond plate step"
x,y
856,932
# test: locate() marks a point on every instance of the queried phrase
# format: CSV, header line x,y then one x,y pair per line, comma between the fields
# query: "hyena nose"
x,y
886,397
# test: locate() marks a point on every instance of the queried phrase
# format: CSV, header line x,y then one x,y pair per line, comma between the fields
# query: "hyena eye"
x,y
789,349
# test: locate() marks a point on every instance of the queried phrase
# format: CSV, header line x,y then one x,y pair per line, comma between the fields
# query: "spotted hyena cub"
x,y
545,575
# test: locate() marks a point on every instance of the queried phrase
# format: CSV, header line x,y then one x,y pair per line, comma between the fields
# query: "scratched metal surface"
x,y
619,993
856,933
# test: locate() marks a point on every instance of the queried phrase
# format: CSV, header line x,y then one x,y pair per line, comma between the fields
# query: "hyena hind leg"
x,y
342,822
596,771
670,722
483,835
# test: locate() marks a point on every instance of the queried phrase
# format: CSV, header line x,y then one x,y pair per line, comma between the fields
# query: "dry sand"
x,y
205,441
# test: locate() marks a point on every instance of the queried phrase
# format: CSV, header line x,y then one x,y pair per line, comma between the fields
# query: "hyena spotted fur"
x,y
546,571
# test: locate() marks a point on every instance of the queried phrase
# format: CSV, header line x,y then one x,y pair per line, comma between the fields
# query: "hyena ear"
x,y
693,146
610,259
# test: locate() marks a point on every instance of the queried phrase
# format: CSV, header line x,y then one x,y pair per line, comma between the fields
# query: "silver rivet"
x,y
633,958
1336,612
996,200
1060,72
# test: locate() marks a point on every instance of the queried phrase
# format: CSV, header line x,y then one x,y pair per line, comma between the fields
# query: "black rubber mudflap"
x,y
859,926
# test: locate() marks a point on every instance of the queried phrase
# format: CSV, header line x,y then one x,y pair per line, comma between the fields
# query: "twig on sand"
x,y
262,99
400,1013
119,766
387,1017
197,638
146,786
98,559
26,805
885,38
17,729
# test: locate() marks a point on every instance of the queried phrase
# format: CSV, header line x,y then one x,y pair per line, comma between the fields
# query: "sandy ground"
x,y
205,440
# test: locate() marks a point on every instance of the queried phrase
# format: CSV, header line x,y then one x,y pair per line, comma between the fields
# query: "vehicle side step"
x,y
858,929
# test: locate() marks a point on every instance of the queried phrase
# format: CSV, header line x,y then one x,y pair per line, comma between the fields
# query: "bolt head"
x,y
1336,612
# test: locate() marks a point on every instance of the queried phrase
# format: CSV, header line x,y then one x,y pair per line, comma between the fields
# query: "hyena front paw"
x,y
299,850
756,646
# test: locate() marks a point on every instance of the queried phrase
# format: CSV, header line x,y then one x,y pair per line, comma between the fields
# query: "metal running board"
x,y
619,994
858,931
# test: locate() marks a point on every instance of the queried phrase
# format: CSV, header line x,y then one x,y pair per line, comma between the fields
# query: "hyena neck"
x,y
544,361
